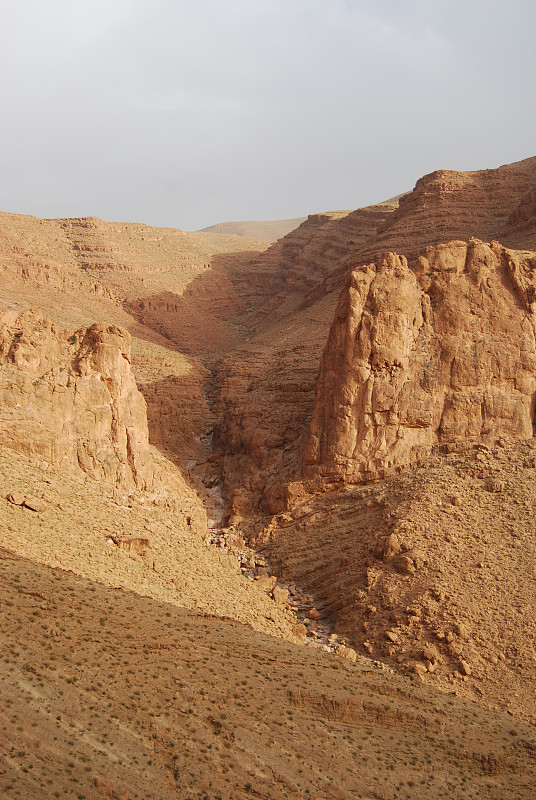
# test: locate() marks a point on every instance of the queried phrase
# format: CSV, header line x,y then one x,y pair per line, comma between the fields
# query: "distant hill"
x,y
269,231
272,230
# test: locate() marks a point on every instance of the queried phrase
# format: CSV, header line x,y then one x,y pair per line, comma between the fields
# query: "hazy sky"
x,y
190,112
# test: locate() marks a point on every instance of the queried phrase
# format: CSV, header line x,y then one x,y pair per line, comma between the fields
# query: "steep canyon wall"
x,y
438,352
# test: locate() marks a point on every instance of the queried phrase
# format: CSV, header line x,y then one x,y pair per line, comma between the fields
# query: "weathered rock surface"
x,y
71,398
469,594
440,352
431,352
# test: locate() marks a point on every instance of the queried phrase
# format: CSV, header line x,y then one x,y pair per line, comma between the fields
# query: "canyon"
x,y
316,453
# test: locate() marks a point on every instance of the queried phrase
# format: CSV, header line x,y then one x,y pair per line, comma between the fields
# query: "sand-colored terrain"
x,y
266,512
268,232
109,694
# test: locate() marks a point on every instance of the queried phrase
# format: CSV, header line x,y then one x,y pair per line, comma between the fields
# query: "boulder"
x,y
280,595
16,498
387,547
36,504
300,631
266,583
346,652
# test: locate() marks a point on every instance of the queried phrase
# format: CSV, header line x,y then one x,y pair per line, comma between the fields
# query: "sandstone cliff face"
x,y
521,227
442,353
71,399
266,393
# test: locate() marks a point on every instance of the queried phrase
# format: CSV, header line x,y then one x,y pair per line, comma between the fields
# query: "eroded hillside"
x,y
431,570
108,694
356,401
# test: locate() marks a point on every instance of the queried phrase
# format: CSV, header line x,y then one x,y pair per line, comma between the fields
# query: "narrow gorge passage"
x,y
313,626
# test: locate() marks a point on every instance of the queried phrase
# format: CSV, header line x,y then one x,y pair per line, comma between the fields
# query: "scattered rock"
x,y
461,630
280,595
387,547
16,498
106,789
300,631
133,545
404,565
266,583
420,670
36,504
465,668
346,652
430,654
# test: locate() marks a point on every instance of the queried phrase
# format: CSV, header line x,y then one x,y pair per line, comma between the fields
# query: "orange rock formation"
x,y
72,399
311,380
442,353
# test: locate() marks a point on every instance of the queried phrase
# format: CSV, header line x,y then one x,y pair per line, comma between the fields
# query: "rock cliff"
x,y
70,398
437,352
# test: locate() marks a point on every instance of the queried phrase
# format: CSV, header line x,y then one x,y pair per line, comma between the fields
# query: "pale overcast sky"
x,y
185,113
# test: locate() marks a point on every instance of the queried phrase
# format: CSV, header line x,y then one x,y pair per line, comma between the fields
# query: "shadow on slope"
x,y
110,694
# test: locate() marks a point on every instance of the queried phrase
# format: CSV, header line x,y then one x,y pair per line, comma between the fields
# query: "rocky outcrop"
x,y
521,227
426,569
440,351
72,399
447,205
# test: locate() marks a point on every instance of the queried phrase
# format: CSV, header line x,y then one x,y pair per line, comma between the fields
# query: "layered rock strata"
x,y
431,570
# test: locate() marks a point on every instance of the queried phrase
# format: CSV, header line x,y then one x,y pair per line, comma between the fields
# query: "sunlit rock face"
x,y
440,351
